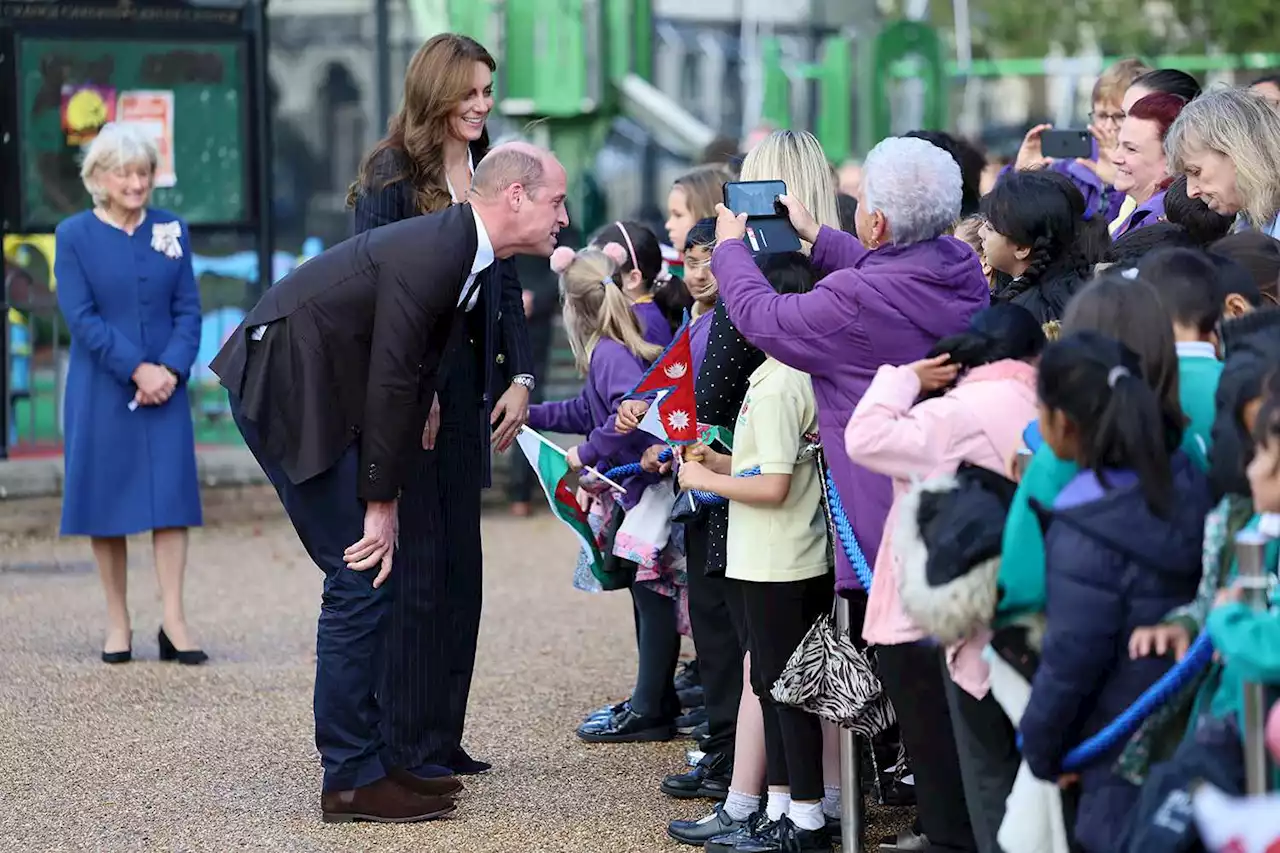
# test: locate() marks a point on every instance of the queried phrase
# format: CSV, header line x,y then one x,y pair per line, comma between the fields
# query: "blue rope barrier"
x,y
844,532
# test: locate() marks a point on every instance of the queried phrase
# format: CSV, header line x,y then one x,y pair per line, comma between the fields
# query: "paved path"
x,y
219,758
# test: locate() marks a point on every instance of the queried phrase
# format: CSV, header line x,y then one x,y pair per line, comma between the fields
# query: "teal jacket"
x,y
1198,373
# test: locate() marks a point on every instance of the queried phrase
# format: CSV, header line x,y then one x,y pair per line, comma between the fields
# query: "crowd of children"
x,y
1040,436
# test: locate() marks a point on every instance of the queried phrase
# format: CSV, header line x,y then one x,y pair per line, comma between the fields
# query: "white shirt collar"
x,y
484,248
1196,349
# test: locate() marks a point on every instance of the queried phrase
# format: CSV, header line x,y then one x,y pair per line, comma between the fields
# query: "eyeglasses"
x,y
1106,118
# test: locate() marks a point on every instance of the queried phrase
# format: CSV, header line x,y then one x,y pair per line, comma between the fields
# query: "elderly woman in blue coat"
x,y
127,292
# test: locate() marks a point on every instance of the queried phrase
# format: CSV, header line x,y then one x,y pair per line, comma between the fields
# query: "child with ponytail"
x,y
658,299
633,529
1122,547
1039,239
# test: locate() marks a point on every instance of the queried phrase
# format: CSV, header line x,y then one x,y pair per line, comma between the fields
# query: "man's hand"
x,y
575,464
649,460
630,413
155,384
526,297
509,414
801,219
378,545
1159,640
729,225
935,373
431,428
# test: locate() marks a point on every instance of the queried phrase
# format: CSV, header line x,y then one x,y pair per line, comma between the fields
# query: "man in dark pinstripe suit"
x,y
435,618
331,377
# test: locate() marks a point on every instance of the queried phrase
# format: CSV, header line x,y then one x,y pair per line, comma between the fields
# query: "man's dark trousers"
x,y
435,617
329,518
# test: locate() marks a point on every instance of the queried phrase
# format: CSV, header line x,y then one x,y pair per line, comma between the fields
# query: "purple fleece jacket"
x,y
1149,212
887,306
613,373
1103,199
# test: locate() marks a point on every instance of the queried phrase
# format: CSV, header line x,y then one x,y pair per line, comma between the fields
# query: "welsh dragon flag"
x,y
552,469
673,415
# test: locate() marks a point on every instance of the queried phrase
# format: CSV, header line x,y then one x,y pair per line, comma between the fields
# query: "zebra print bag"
x,y
829,676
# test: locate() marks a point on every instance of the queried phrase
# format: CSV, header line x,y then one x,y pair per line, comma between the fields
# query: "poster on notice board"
x,y
85,109
152,111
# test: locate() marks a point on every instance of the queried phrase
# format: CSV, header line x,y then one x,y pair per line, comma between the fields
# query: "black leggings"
x,y
778,617
658,644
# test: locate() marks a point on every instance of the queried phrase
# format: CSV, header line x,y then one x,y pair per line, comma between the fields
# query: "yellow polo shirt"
x,y
786,542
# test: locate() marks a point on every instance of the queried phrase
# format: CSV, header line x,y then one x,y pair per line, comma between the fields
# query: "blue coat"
x,y
126,303
1110,566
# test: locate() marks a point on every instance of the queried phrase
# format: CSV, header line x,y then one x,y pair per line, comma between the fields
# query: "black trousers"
x,y
717,640
435,617
989,759
353,615
658,646
778,617
913,675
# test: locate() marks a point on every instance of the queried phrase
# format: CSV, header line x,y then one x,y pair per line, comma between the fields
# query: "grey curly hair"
x,y
916,185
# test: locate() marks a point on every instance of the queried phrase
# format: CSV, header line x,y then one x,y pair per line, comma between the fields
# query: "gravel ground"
x,y
151,756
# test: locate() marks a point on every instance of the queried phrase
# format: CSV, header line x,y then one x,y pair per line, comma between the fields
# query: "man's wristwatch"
x,y
525,380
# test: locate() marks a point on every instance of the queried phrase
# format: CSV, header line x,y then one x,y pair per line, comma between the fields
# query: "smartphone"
x,y
769,228
755,198
1067,144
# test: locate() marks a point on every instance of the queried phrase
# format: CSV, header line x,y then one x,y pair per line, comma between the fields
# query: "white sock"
x,y
831,800
807,815
740,806
778,804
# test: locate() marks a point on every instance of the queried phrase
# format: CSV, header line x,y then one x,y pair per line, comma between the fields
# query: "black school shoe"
x,y
627,726
709,778
696,833
783,836
688,675
728,842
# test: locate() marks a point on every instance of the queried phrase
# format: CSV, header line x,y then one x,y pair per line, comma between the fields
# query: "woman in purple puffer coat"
x,y
889,295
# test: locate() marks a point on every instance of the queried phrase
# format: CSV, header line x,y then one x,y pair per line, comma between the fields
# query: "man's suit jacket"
x,y
507,349
351,349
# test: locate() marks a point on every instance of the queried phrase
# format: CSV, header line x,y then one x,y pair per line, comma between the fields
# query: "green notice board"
x,y
209,133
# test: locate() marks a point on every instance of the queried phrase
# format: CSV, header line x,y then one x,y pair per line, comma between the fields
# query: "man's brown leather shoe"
x,y
436,786
383,802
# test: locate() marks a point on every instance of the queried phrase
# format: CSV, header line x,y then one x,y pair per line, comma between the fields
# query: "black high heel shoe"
x,y
118,657
168,652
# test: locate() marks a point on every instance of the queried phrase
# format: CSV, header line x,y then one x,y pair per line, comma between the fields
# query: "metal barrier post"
x,y
850,784
1251,548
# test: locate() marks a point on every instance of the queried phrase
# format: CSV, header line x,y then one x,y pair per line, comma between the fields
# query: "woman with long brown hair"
x,y
423,165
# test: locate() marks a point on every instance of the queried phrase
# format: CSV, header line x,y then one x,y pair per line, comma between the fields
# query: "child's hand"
x,y
629,415
1066,780
649,461
1228,595
694,475
934,372
719,463
575,464
1159,640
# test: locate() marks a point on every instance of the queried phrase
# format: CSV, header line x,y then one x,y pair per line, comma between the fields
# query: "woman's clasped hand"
x,y
155,383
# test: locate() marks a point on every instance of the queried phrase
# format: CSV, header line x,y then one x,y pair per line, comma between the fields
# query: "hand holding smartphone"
x,y
769,228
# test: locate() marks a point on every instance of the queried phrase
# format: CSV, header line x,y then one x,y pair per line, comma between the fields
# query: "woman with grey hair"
x,y
889,295
1227,143
130,300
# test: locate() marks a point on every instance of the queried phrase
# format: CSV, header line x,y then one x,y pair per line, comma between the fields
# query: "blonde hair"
x,y
117,146
595,308
1243,127
1115,80
796,158
704,189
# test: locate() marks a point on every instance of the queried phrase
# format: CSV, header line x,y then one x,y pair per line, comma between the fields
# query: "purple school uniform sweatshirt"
x,y
653,322
614,371
887,306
